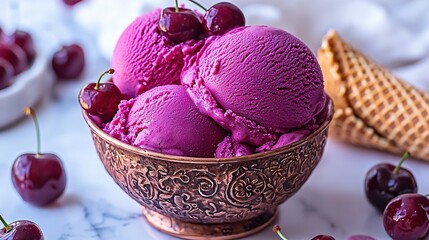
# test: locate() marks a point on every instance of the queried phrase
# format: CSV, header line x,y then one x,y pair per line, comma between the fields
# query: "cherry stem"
x,y
199,5
110,71
277,230
8,228
30,112
177,6
404,157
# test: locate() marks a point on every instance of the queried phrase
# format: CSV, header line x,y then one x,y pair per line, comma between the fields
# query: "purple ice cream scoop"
x,y
143,58
164,119
258,82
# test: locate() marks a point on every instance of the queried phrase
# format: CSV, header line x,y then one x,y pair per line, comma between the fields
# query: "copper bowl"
x,y
210,198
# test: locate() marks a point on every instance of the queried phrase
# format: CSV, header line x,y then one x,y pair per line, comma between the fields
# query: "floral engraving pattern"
x,y
246,187
212,192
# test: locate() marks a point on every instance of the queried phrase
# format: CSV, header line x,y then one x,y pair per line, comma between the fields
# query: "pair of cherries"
x,y
393,191
182,24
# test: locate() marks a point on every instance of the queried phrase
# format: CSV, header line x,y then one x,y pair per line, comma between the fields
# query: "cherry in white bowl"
x,y
27,87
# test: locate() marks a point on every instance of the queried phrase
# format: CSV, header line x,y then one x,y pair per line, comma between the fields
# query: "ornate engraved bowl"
x,y
210,198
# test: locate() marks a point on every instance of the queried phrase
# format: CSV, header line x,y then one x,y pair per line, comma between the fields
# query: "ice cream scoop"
x,y
143,58
165,119
258,82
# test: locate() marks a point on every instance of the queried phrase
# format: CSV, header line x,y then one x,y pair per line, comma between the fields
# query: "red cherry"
x,y
69,62
25,41
15,55
221,18
384,181
359,237
6,73
407,217
20,230
277,230
39,178
179,24
71,3
323,237
100,99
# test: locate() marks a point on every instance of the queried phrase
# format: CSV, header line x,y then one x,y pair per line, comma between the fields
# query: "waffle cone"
x,y
373,108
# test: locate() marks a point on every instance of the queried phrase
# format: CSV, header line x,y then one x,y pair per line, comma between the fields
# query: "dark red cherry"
x,y
385,181
15,56
323,237
25,41
6,73
100,99
71,3
221,18
69,62
38,177
360,237
406,217
179,24
277,230
20,230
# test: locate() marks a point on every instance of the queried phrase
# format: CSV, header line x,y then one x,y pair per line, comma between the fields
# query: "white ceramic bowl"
x,y
27,89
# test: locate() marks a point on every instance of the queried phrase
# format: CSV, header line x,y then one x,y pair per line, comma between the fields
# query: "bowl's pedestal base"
x,y
201,231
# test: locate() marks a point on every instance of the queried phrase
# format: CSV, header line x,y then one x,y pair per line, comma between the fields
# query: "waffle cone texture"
x,y
373,108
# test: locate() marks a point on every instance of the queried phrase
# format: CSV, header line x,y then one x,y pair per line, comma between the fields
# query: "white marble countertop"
x,y
93,207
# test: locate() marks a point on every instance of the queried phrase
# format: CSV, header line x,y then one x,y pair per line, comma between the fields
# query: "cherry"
x,y
69,61
15,55
71,3
179,24
360,237
384,181
39,178
277,230
101,99
221,18
20,230
6,73
406,217
25,41
323,237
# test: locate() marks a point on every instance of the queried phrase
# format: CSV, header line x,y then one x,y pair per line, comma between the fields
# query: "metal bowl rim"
x,y
199,160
